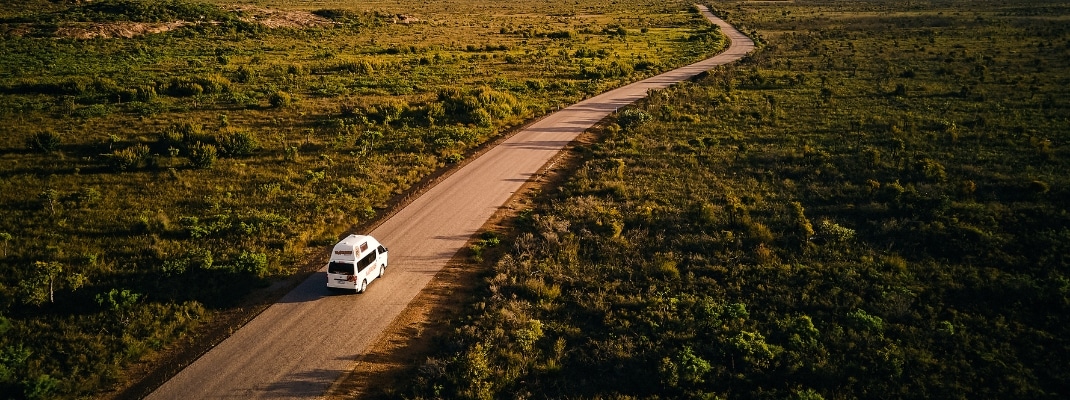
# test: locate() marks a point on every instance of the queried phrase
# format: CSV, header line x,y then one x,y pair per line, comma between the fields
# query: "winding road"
x,y
299,346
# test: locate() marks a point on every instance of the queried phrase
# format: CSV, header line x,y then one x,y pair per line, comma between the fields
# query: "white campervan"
x,y
355,262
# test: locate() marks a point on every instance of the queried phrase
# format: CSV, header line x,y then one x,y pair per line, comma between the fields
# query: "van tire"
x,y
363,286
382,271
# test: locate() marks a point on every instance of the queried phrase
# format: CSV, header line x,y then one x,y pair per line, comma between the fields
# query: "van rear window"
x,y
336,267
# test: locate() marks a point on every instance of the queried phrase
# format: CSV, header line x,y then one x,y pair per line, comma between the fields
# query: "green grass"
x,y
871,205
149,183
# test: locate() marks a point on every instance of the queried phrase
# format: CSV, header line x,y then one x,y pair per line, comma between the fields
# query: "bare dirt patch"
x,y
273,18
115,29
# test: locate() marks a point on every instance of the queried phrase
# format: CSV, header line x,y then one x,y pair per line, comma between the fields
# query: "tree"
x,y
5,238
49,196
118,300
45,278
684,368
803,228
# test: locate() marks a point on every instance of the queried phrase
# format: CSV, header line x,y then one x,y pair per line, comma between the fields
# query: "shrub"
x,y
759,233
801,225
480,106
292,153
238,143
40,387
866,322
931,170
646,65
128,159
605,70
146,109
752,349
202,156
280,99
563,34
684,368
481,117
361,67
184,88
631,118
93,111
453,158
832,231
215,84
255,264
44,142
245,74
118,300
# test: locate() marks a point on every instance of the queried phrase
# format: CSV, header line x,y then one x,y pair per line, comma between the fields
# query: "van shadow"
x,y
311,289
308,384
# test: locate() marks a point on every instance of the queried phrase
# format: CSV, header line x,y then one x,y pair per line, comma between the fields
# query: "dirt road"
x,y
298,347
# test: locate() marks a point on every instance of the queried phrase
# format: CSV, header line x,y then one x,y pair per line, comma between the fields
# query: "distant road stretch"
x,y
299,346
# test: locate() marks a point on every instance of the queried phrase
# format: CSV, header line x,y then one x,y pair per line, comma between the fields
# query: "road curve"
x,y
299,346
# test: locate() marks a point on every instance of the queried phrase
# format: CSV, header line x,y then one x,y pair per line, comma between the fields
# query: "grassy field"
x,y
872,205
149,182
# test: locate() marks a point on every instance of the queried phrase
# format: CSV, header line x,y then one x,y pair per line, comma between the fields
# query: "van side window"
x,y
366,261
382,249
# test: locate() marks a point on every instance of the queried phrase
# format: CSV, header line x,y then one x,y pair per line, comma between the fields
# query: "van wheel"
x,y
363,286
382,271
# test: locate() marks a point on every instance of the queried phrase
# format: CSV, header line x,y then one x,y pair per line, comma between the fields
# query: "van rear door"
x,y
341,267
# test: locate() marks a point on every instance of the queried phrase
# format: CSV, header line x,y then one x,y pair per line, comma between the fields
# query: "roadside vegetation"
x,y
159,160
871,205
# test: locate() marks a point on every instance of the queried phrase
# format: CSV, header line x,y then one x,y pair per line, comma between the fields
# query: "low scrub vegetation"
x,y
873,204
183,154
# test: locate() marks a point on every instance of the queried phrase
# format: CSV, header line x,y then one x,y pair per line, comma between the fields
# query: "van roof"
x,y
353,240
353,246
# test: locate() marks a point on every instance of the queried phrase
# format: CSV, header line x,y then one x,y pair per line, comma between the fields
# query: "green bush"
x,y
832,231
931,170
482,106
241,143
255,264
606,70
362,67
280,99
202,156
184,88
128,159
188,87
631,118
93,111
